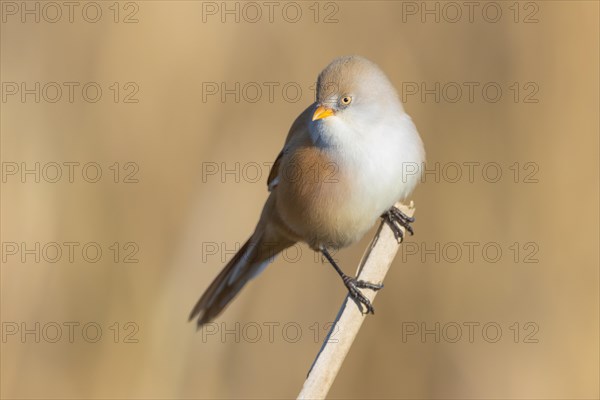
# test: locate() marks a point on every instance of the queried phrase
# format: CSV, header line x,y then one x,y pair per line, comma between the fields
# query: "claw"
x,y
353,286
396,219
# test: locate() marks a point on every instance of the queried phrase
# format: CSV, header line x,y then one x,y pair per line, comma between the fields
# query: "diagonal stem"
x,y
373,268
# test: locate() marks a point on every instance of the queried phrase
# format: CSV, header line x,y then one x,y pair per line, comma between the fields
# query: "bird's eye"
x,y
346,100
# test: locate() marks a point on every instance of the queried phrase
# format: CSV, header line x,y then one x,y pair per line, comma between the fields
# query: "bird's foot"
x,y
396,219
354,287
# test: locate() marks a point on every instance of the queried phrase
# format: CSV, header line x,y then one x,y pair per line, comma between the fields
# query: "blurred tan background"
x,y
182,219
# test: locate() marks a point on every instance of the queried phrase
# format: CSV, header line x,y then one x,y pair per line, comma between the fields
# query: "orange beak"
x,y
322,112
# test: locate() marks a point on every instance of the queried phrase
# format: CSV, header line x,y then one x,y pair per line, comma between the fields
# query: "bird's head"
x,y
352,90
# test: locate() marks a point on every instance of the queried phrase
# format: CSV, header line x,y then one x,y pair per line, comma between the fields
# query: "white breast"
x,y
384,166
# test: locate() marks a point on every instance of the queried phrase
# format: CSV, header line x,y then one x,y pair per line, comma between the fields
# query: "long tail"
x,y
247,263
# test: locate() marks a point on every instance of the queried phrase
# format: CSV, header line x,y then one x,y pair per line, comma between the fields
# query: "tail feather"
x,y
248,262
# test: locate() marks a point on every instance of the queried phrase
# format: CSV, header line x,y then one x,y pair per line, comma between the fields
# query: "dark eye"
x,y
346,100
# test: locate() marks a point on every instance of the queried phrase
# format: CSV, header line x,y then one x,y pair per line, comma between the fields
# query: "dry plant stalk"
x,y
373,267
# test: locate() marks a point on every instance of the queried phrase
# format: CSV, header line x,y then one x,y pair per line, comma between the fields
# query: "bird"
x,y
347,159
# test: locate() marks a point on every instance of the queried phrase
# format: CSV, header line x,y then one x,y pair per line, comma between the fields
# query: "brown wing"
x,y
272,179
298,128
